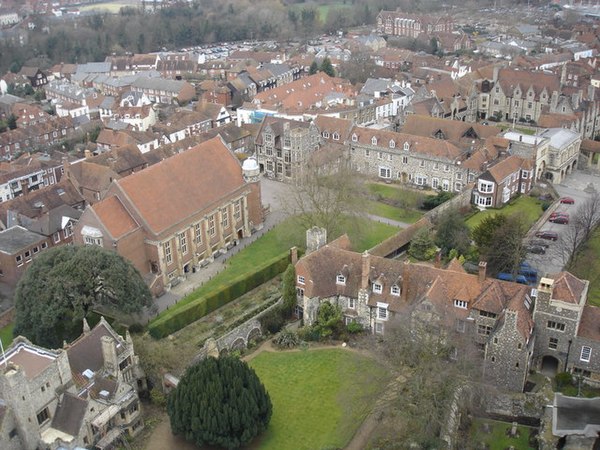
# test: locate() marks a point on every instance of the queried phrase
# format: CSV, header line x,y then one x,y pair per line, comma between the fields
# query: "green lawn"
x,y
587,267
405,197
364,234
498,439
530,208
320,397
393,213
6,335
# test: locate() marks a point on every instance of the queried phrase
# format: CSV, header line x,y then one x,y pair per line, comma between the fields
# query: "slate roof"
x,y
17,238
69,414
86,351
453,130
167,193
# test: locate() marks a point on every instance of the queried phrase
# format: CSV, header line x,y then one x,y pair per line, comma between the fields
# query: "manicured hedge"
x,y
198,306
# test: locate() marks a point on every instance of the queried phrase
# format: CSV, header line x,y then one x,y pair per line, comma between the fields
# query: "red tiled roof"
x,y
115,217
167,193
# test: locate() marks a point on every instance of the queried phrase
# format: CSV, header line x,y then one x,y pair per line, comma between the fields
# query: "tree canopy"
x,y
219,402
289,290
452,233
64,283
327,67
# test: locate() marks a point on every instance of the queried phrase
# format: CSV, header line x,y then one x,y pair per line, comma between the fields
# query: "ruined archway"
x,y
254,334
238,344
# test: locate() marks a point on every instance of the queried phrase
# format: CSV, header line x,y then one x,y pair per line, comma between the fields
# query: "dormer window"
x,y
374,140
392,143
354,138
325,134
406,146
377,288
395,290
460,304
341,279
300,279
336,137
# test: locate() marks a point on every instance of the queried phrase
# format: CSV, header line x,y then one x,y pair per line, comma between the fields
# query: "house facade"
x,y
516,328
410,159
501,182
397,23
283,147
84,395
178,215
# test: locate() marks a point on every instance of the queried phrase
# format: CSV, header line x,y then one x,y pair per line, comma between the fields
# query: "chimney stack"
x,y
482,270
366,270
293,255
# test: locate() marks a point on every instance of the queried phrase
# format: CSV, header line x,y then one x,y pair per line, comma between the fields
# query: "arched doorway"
x,y
549,365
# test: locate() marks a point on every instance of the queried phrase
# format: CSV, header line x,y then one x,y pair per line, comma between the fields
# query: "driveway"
x,y
579,186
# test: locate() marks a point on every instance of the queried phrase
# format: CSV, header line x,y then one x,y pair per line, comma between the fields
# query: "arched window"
x,y
392,143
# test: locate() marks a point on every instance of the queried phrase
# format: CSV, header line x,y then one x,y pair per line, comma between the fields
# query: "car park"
x,y
567,200
550,235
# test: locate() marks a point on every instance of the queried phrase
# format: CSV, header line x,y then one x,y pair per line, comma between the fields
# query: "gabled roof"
x,y
568,288
69,414
334,125
167,193
453,130
509,79
115,217
86,351
504,168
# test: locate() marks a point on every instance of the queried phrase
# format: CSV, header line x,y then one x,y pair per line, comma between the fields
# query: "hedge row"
x,y
201,305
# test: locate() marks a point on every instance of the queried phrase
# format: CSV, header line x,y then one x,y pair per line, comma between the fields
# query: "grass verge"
x,y
6,335
320,397
393,213
587,267
528,207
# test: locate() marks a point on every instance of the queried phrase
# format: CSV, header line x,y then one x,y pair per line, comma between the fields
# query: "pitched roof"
x,y
172,190
86,351
589,326
568,288
504,168
509,79
334,125
69,414
17,238
453,130
115,217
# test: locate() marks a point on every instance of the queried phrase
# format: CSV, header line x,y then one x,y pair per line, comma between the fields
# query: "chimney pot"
x,y
482,270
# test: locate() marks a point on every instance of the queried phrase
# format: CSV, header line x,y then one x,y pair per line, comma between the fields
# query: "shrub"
x,y
287,339
563,379
273,321
354,328
432,201
136,328
310,334
158,397
199,303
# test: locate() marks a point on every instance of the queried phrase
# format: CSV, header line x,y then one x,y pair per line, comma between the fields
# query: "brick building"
x,y
397,23
174,216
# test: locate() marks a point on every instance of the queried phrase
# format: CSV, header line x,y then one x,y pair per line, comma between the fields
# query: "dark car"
x,y
539,243
550,235
559,214
567,200
559,219
537,249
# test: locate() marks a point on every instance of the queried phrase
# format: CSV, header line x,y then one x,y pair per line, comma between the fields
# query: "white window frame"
x,y
586,353
382,312
340,279
167,251
183,243
377,288
374,140
198,233
395,290
212,227
462,304
392,143
225,218
300,279
385,172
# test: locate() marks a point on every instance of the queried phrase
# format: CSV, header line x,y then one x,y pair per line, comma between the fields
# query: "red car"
x,y
550,235
556,214
559,219
567,200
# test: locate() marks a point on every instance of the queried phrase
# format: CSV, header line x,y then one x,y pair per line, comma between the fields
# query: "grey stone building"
x,y
283,147
81,396
410,159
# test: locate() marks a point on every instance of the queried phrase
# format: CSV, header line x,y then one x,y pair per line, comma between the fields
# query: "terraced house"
x,y
515,327
407,158
176,215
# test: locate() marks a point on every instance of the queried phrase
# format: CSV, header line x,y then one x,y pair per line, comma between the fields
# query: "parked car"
x,y
550,235
567,200
559,219
528,272
559,214
536,249
505,276
539,243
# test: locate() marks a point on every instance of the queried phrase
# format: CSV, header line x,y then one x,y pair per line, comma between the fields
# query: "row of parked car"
x,y
539,246
526,275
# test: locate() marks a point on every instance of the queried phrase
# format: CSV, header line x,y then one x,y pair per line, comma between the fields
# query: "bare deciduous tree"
x,y
580,229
